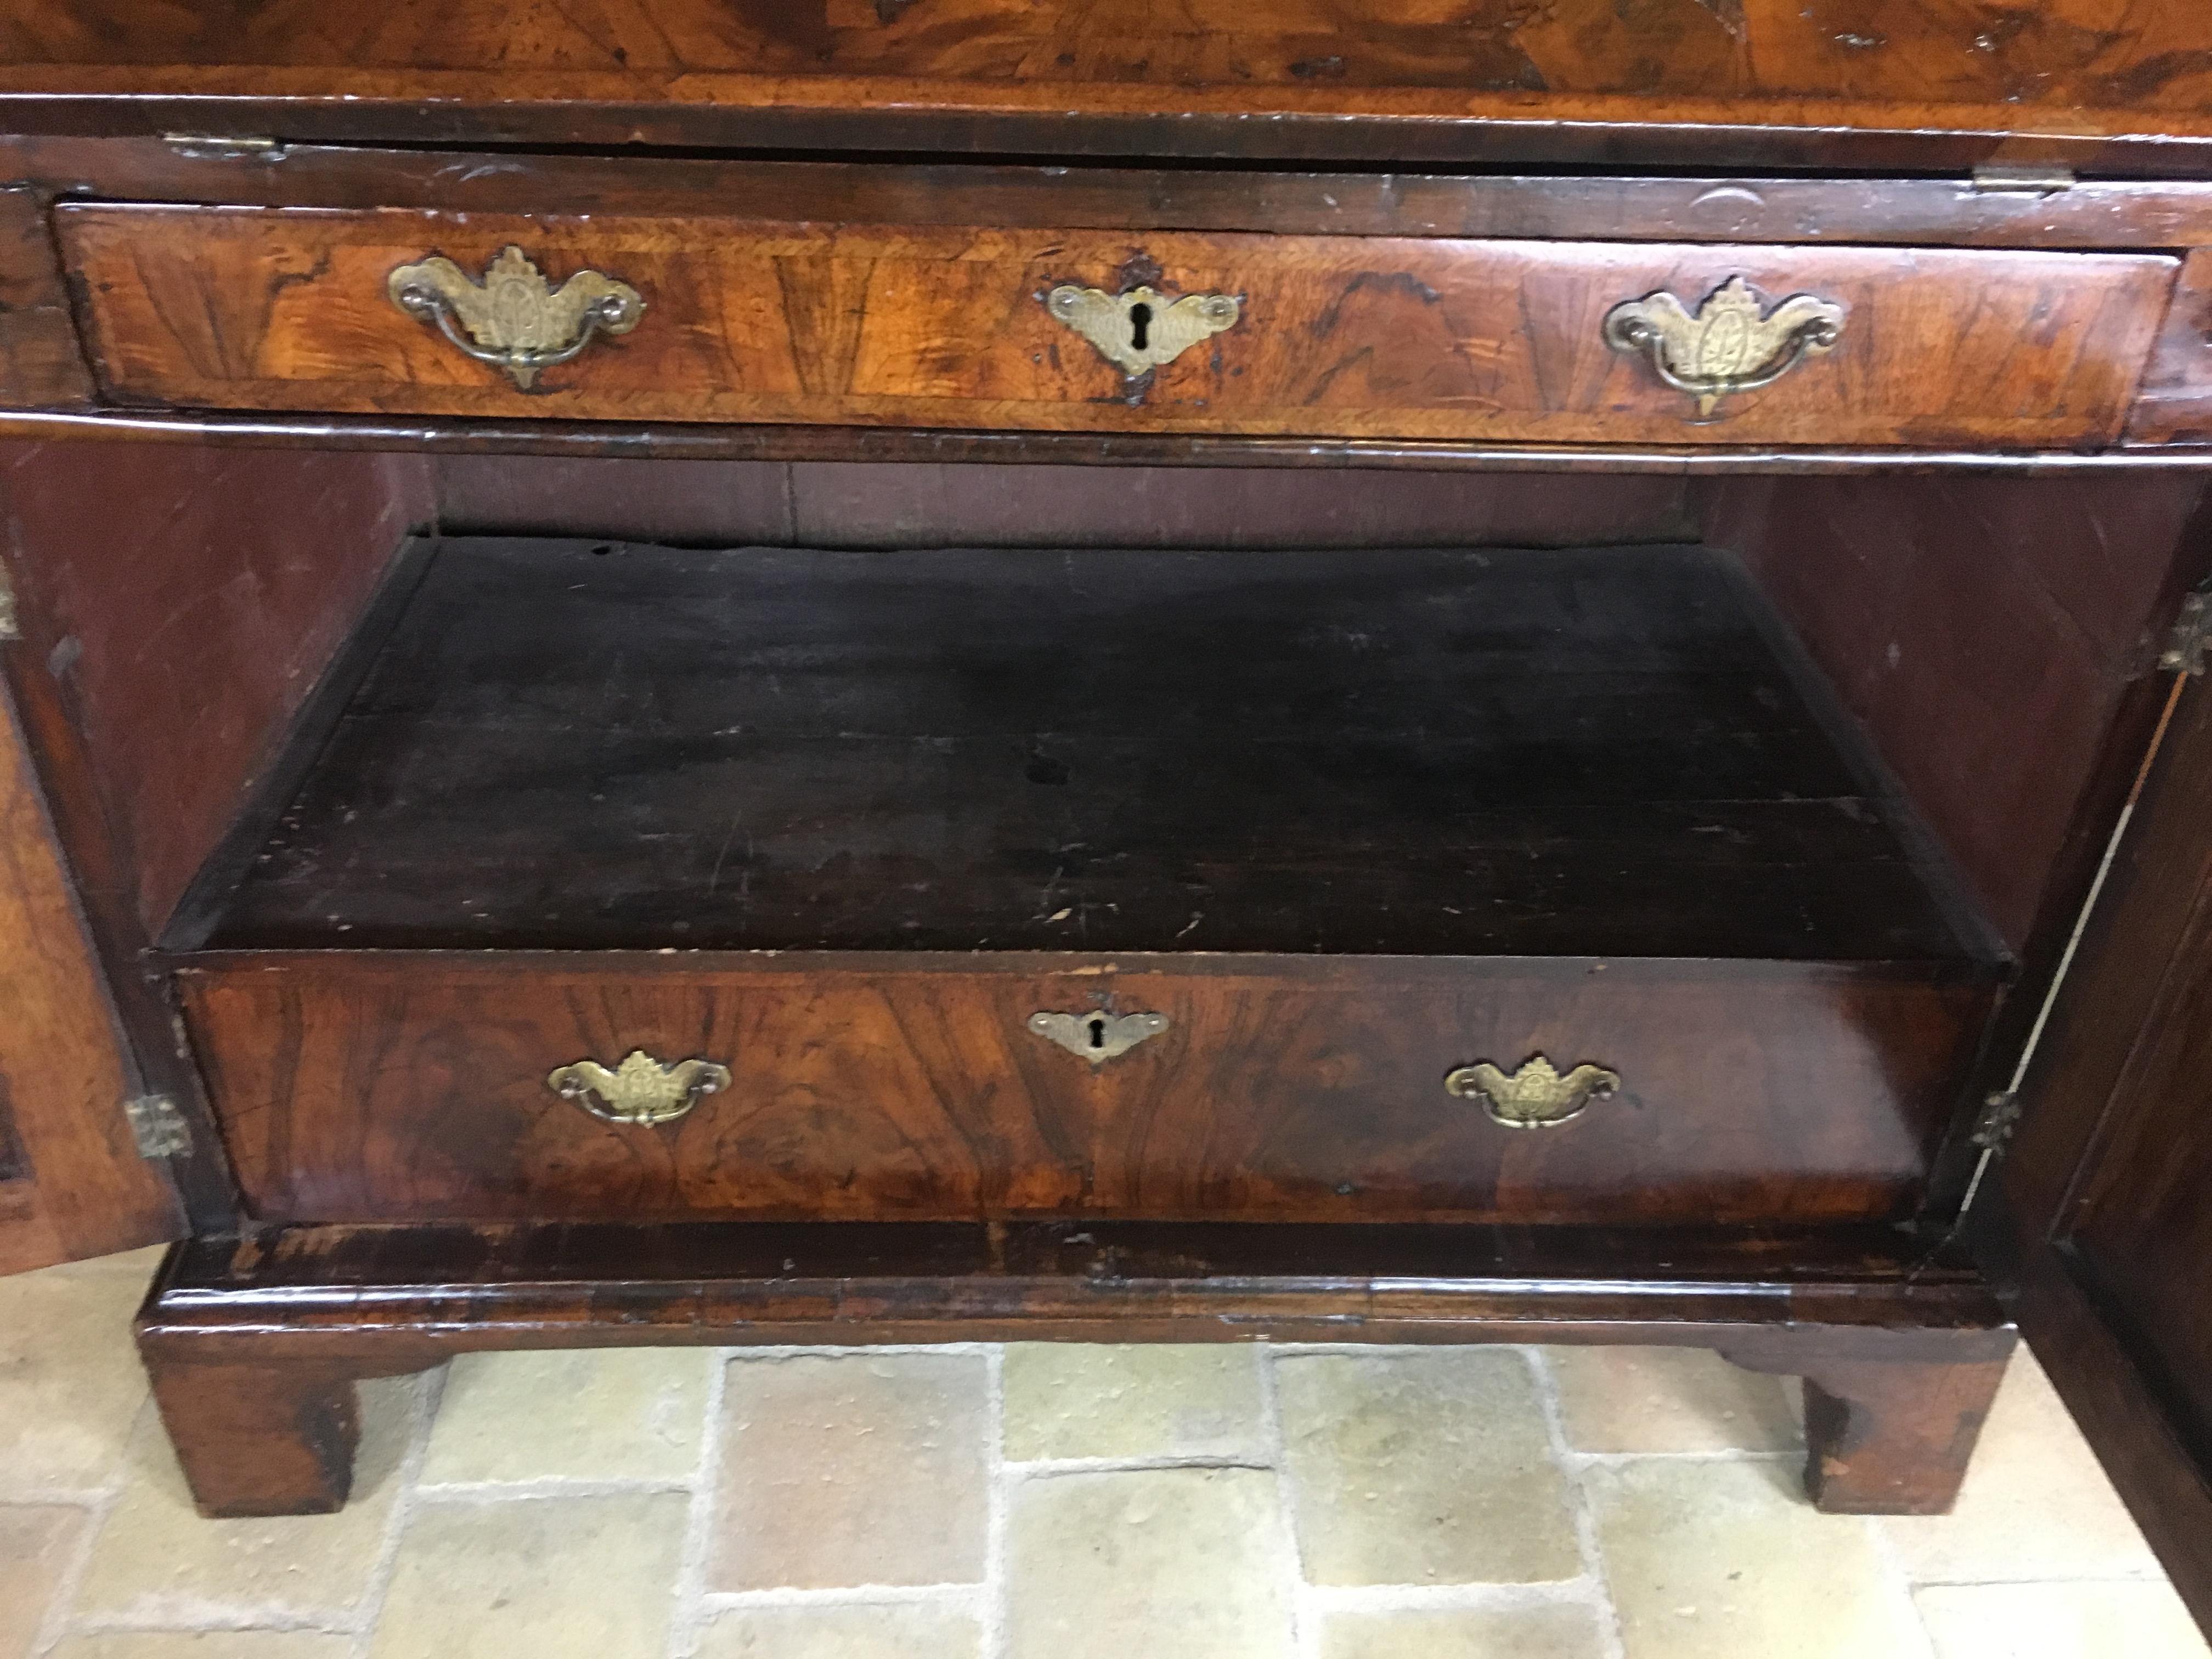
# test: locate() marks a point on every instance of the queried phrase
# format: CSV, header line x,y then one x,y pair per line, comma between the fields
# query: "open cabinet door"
x,y
2108,1188
72,1181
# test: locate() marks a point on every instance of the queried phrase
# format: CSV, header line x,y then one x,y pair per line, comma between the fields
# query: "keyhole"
x,y
1140,319
1097,1032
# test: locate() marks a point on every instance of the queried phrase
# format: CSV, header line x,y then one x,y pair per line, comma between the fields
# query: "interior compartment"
x,y
1581,751
1990,638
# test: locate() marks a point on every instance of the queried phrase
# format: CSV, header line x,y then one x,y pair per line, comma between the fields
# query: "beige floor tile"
x,y
156,1560
206,1644
70,1381
905,1632
1669,1400
1539,1633
137,1265
1168,1563
37,1546
1726,1560
545,1577
2142,1620
1081,1399
850,1469
595,1414
2035,1504
1426,1466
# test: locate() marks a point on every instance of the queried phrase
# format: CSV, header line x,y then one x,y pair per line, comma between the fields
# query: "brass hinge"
x,y
2192,636
158,1127
205,147
1992,176
1993,1126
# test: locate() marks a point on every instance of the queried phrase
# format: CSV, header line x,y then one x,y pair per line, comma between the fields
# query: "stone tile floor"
x,y
1043,1503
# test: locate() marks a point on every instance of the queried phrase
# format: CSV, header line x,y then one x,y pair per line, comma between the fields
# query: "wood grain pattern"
x,y
939,326
253,1343
41,365
1906,67
2174,404
381,1087
1884,1438
73,1184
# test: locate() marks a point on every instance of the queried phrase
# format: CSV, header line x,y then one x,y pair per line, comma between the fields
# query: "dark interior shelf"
x,y
1599,752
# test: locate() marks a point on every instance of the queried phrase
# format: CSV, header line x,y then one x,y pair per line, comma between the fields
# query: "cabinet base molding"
x,y
254,1343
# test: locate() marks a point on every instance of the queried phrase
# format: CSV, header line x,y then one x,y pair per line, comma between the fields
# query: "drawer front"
x,y
398,1087
729,319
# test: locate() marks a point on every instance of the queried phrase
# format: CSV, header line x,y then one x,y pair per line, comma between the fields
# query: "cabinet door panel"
x,y
72,1183
2109,1186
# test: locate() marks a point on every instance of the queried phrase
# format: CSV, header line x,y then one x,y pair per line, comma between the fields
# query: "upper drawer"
x,y
733,319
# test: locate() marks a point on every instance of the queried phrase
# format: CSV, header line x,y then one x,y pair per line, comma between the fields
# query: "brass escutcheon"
x,y
1535,1097
1097,1037
516,320
1727,345
1142,329
640,1091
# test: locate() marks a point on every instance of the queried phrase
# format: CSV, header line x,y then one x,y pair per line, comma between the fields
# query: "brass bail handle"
x,y
1730,344
641,1090
514,319
1536,1095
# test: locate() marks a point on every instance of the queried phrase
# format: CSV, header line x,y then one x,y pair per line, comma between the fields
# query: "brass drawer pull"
x,y
1142,329
642,1090
1727,346
516,320
1097,1037
1534,1097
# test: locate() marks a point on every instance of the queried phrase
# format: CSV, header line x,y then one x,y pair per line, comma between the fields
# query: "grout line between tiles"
x,y
421,1417
1421,1598
687,1619
546,1485
841,1595
2031,1581
1049,1468
1589,1460
1305,1627
1597,1592
1889,1564
998,1499
96,1505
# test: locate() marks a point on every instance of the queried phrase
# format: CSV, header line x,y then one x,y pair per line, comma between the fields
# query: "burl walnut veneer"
x,y
739,672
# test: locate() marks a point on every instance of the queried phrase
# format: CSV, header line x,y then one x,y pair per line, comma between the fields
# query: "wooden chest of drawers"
x,y
959,669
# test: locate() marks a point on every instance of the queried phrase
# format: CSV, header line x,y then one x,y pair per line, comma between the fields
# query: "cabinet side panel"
x,y
182,601
72,1182
2023,609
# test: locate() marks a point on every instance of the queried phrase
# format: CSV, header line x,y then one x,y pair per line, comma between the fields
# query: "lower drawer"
x,y
379,1086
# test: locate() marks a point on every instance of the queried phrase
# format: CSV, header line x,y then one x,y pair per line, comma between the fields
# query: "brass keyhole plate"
x,y
1098,1038
1142,329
